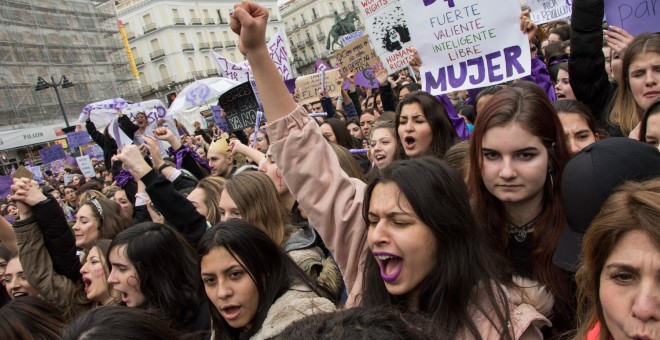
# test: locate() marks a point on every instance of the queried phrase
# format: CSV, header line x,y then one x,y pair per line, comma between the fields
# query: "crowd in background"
x,y
523,210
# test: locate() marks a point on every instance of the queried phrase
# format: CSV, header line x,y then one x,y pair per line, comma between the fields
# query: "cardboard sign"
x,y
310,86
52,153
5,186
388,31
86,166
548,10
357,56
240,106
634,16
22,172
80,138
216,111
68,178
464,46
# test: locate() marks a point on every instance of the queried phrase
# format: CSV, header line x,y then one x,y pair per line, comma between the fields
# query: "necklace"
x,y
520,232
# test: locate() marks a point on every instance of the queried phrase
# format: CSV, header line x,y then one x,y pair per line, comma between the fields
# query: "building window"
x,y
314,15
343,4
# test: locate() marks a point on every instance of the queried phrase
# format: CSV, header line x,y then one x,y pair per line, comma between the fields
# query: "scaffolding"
x,y
76,38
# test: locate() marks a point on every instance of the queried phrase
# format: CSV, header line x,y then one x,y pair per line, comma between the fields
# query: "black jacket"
x,y
586,63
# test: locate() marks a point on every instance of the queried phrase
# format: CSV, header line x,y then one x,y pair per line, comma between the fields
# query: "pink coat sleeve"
x,y
332,200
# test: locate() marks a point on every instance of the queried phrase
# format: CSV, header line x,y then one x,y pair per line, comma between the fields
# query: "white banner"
x,y
240,72
388,32
548,10
86,166
465,46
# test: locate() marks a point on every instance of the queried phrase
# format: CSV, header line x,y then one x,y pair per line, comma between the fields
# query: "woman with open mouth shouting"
x,y
152,266
421,250
71,296
423,126
255,288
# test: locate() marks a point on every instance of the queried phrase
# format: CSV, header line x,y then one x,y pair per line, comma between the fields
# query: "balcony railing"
x,y
157,54
196,21
187,47
149,28
212,72
197,74
146,90
320,36
230,43
138,61
163,84
209,21
130,35
204,46
300,44
223,21
216,44
308,40
179,21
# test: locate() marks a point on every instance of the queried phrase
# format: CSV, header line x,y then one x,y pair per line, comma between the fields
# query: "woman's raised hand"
x,y
132,160
26,191
618,39
249,21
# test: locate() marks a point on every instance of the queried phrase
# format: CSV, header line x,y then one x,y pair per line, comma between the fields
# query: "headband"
x,y
95,201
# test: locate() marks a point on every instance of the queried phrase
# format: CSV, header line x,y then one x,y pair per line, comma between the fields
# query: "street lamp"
x,y
64,83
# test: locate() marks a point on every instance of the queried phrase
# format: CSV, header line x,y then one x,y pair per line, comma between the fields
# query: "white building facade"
x,y
308,24
171,40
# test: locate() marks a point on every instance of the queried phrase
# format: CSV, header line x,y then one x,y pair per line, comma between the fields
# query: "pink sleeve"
x,y
332,200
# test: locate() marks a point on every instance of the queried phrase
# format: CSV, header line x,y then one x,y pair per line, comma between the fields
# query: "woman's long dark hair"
x,y
342,135
271,269
526,104
166,269
444,135
464,261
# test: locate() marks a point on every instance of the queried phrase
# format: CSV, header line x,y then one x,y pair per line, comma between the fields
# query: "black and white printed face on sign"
x,y
240,105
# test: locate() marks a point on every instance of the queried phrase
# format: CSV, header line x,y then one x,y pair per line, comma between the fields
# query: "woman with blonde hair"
x,y
640,84
618,283
206,198
252,196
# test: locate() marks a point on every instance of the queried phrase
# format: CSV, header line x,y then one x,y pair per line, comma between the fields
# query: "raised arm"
x,y
249,22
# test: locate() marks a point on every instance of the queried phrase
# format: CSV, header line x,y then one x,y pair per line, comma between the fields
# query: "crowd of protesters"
x,y
524,210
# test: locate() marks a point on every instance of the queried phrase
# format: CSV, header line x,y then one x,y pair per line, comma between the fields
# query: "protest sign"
x,y
79,138
465,46
22,172
241,71
216,111
349,38
357,56
97,151
52,153
388,32
36,170
86,167
57,166
548,10
240,106
634,16
309,87
5,186
68,178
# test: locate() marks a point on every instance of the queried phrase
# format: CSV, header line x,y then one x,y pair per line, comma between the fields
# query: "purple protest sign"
x,y
80,138
220,121
365,78
69,160
52,153
634,16
5,186
291,85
